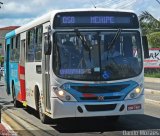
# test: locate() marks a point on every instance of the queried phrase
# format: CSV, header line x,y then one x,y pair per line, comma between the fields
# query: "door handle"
x,y
38,69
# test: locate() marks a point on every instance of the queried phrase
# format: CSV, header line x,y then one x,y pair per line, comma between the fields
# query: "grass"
x,y
152,73
155,75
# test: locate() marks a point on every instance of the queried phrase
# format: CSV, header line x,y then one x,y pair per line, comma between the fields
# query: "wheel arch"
x,y
36,95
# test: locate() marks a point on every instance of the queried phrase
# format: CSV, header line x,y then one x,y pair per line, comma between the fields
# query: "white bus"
x,y
78,63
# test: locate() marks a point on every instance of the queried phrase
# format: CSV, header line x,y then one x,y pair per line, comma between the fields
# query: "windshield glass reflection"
x,y
101,62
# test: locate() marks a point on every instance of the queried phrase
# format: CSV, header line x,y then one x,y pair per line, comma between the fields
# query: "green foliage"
x,y
148,23
152,73
154,39
1,59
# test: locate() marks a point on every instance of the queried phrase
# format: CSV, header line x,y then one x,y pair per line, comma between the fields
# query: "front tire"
x,y
44,118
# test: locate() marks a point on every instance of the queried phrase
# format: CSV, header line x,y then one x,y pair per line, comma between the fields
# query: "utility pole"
x,y
93,3
158,1
0,112
1,3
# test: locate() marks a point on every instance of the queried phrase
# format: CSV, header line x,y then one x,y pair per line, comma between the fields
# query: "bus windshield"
x,y
101,62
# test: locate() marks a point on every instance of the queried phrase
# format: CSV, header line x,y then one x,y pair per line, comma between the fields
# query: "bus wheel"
x,y
15,102
42,116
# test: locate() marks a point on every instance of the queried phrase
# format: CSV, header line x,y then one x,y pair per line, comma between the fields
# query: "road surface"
x,y
127,125
154,86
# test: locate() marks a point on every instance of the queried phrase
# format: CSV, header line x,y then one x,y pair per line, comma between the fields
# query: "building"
x,y
3,32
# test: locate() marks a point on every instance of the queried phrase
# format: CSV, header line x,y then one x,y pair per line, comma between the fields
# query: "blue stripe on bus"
x,y
7,56
123,93
14,76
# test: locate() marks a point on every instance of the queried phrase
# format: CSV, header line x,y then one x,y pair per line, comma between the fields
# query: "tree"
x,y
148,23
154,39
1,60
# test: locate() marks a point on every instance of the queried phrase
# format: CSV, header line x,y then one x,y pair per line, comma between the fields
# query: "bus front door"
x,y
46,73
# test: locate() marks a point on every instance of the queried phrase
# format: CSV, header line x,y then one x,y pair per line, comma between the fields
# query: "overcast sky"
x,y
19,12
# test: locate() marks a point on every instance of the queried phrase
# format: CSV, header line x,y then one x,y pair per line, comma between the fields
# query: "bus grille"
x,y
105,98
105,107
100,89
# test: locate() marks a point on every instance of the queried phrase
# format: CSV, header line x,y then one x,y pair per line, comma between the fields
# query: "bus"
x,y
78,63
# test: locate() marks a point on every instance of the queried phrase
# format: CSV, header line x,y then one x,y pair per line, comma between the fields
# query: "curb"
x,y
28,127
20,128
4,130
16,119
9,129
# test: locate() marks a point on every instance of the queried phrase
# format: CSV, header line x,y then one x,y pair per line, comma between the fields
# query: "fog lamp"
x,y
68,97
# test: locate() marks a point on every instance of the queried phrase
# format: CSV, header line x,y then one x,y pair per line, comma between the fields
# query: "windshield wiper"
x,y
85,44
111,44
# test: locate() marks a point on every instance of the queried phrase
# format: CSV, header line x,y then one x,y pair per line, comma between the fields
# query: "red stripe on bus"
x,y
22,93
23,90
89,95
22,70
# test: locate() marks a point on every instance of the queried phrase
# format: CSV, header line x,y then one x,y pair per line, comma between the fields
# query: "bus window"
x,y
127,46
17,49
38,45
13,49
30,46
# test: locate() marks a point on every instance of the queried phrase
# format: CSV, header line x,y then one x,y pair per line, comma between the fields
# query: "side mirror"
x,y
145,46
47,45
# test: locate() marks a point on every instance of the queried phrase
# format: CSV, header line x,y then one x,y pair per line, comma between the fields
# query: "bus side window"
x,y
13,49
38,45
30,46
127,46
17,50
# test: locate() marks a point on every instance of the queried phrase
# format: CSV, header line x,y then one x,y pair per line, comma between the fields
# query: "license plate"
x,y
134,107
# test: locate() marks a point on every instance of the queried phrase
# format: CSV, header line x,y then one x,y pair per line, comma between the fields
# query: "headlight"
x,y
63,95
135,93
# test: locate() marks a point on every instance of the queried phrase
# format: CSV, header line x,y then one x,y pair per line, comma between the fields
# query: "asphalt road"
x,y
127,125
154,86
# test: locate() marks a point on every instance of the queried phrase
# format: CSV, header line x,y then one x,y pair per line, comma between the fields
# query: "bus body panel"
x,y
21,66
61,109
14,79
6,66
12,71
33,79
7,58
70,109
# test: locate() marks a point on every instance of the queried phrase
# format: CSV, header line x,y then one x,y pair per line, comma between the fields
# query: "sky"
x,y
20,12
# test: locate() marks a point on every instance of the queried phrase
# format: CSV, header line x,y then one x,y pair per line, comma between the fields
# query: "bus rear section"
x,y
13,70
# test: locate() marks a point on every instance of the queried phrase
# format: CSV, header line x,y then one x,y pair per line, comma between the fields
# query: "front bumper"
x,y
69,109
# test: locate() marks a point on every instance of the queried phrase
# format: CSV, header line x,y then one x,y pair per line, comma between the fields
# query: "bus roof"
x,y
47,17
